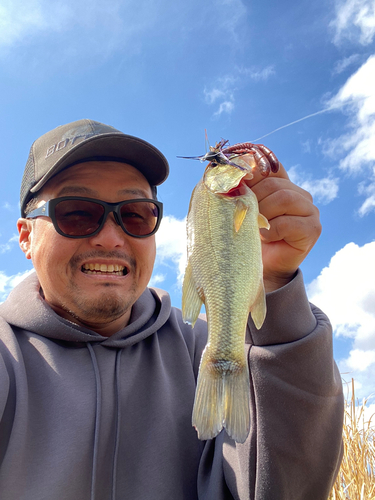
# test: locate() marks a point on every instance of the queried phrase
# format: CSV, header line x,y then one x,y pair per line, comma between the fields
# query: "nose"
x,y
110,236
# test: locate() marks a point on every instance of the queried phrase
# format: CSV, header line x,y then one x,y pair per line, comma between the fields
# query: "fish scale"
x,y
224,271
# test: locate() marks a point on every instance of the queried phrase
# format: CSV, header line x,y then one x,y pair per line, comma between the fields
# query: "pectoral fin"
x,y
263,222
239,214
191,301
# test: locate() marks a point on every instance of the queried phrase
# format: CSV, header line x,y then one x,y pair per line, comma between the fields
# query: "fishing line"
x,y
296,121
349,101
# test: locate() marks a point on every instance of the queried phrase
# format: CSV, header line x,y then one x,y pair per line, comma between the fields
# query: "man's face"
x,y
102,300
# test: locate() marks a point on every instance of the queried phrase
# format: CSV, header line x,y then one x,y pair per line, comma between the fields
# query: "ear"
x,y
25,229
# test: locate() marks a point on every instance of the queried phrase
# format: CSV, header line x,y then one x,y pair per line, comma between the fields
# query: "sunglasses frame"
x,y
48,210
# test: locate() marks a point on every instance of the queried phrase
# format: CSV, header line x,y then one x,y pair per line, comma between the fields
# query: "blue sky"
x,y
300,73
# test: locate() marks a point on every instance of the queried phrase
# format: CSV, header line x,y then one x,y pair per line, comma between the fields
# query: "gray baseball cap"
x,y
85,140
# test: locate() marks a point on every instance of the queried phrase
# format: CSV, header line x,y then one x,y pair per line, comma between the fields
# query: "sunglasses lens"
x,y
139,218
78,217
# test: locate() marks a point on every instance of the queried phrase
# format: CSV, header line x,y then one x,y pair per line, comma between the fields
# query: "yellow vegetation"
x,y
356,479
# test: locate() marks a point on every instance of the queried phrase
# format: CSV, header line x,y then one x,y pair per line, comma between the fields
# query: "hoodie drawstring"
x,y
118,421
97,418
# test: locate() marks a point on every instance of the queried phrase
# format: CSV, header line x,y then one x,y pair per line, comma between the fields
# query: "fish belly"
x,y
225,270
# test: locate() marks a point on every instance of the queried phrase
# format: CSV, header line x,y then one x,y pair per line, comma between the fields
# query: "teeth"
x,y
104,268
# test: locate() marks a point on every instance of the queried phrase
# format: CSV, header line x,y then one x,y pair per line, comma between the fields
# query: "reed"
x,y
356,479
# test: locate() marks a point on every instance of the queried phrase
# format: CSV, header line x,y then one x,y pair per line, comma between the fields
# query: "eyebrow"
x,y
75,190
67,190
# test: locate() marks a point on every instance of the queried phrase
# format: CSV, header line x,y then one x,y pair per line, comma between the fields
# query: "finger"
x,y
286,201
299,232
271,185
257,177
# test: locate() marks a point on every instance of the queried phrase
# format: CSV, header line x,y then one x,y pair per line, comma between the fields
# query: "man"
x,y
98,372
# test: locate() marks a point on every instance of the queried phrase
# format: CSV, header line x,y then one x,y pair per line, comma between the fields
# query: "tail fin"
x,y
222,399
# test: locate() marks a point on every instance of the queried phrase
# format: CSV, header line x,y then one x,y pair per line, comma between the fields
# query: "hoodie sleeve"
x,y
293,451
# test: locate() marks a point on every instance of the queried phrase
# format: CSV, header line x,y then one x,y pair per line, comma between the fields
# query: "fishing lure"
x,y
254,155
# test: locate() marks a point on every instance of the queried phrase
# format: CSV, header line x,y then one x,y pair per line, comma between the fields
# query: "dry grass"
x,y
356,479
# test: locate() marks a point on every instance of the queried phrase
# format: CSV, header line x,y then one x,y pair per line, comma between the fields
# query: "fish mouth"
x,y
104,269
239,190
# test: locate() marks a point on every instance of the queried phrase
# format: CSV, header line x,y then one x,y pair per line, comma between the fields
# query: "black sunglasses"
x,y
76,217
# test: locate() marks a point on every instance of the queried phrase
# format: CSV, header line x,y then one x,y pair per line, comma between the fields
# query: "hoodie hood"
x,y
27,310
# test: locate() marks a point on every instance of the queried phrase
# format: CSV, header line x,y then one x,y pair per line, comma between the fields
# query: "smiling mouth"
x,y
104,269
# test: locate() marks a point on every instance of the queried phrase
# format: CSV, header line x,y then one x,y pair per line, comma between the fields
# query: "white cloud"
x,y
359,90
223,90
7,206
323,190
230,16
225,107
8,246
15,21
306,146
259,75
156,279
341,65
171,245
213,95
357,147
360,360
345,291
369,412
7,283
20,19
368,189
355,21
71,30
222,93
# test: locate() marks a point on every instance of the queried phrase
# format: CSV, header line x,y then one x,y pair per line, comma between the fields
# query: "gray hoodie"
x,y
86,417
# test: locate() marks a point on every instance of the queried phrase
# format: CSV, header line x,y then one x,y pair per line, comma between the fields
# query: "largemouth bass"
x,y
225,272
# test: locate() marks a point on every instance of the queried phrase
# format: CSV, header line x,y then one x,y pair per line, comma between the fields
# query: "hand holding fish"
x,y
294,226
